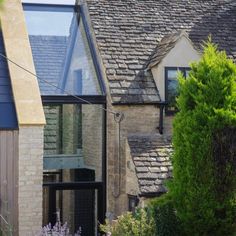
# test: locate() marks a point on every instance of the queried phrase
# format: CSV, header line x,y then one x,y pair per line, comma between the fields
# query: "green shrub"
x,y
138,224
164,215
204,183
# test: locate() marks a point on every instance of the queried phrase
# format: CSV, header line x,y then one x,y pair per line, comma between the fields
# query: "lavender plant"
x,y
58,229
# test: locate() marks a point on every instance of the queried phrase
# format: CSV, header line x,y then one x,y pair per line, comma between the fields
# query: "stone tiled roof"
x,y
151,157
127,32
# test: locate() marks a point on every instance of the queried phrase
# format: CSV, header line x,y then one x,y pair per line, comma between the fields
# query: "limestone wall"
x,y
30,179
92,138
140,119
132,186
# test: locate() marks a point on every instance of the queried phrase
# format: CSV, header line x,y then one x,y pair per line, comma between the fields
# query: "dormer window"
x,y
171,84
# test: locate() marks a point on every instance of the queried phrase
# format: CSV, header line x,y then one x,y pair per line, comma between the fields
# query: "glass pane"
x,y
80,77
58,26
172,73
172,84
187,72
73,140
172,93
76,207
61,51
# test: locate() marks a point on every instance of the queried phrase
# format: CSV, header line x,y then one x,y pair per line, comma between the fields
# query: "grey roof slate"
x,y
151,156
127,33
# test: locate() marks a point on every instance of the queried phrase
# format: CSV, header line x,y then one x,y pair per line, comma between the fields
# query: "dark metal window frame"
x,y
93,185
181,69
100,186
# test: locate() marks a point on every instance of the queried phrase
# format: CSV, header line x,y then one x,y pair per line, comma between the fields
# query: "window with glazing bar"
x,y
171,86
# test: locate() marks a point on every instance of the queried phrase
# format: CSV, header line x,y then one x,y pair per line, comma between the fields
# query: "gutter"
x,y
151,195
157,103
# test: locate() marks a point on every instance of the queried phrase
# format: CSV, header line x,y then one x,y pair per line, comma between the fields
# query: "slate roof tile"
x,y
131,30
152,168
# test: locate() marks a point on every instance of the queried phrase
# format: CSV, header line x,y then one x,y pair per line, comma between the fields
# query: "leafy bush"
x,y
204,183
164,214
130,224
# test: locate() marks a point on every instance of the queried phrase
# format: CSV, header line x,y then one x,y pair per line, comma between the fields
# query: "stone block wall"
x,y
92,138
52,143
139,119
167,124
30,179
132,186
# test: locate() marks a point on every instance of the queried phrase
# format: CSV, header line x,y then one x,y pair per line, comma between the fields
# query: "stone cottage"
x,y
87,98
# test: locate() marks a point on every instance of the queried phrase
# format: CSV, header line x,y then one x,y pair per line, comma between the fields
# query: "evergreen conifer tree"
x,y
204,139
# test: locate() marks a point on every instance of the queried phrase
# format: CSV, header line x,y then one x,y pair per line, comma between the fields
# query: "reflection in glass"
x,y
61,51
172,93
172,74
187,72
72,139
172,86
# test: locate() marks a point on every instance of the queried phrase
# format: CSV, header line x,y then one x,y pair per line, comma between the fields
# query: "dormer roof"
x,y
166,44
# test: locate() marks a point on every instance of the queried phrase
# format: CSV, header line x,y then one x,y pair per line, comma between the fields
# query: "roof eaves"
x,y
150,195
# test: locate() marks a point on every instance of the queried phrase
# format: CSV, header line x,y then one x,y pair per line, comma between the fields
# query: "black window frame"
x,y
100,186
183,70
82,99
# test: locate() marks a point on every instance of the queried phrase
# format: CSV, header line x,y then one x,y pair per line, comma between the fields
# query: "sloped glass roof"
x,y
61,51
